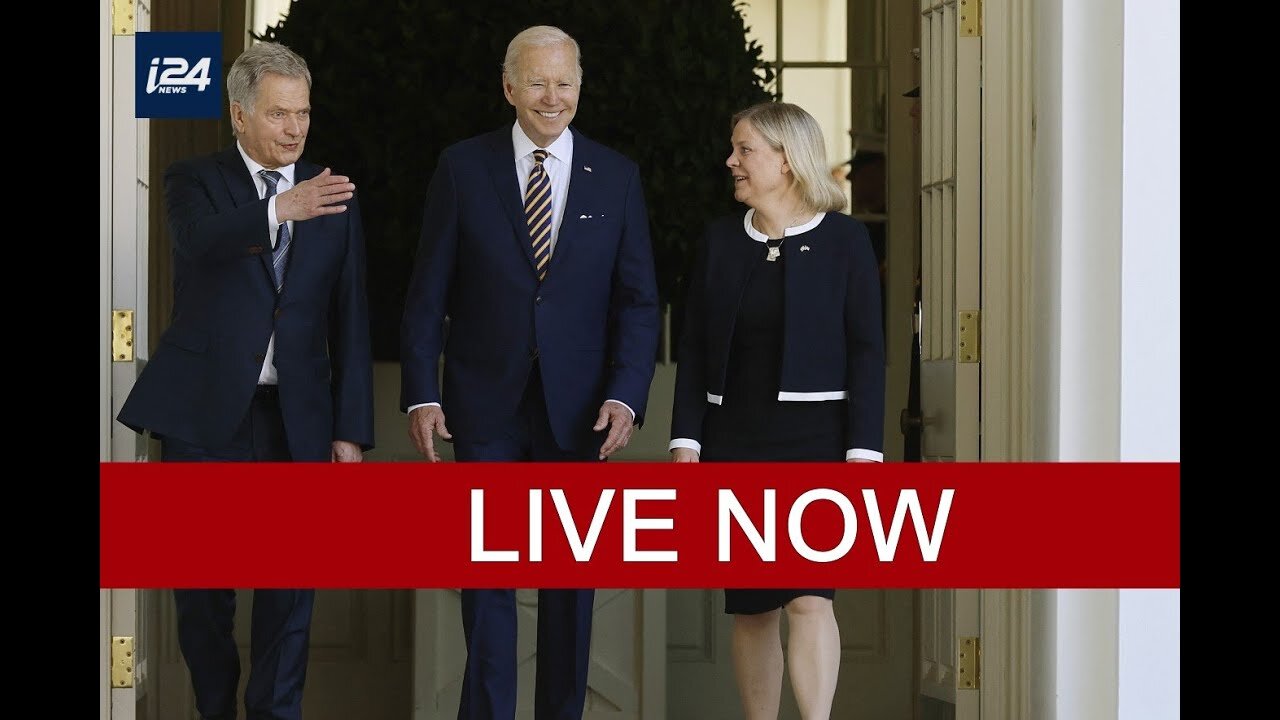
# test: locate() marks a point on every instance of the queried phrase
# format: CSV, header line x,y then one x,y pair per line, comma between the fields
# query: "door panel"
x,y
950,201
360,663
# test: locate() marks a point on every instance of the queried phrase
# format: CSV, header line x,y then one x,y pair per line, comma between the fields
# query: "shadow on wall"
x,y
391,427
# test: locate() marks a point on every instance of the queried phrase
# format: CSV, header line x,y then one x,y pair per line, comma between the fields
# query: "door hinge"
x,y
122,12
968,349
122,335
969,664
122,661
970,18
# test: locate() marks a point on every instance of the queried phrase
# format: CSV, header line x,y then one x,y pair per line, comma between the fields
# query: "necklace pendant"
x,y
773,254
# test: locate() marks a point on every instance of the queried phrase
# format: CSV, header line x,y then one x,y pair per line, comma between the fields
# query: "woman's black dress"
x,y
752,425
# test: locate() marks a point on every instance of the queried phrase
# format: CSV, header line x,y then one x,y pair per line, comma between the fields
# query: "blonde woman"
x,y
782,359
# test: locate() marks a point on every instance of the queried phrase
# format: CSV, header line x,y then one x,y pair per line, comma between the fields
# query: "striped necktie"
x,y
537,212
281,253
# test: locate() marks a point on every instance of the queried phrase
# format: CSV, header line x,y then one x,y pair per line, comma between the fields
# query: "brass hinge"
x,y
969,664
122,661
968,347
122,21
122,335
970,18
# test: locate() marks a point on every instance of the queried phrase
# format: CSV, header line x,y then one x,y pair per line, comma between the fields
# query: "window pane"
x,y
761,19
814,30
824,93
850,107
867,29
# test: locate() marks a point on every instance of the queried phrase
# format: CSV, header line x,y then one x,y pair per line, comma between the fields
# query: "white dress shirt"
x,y
557,165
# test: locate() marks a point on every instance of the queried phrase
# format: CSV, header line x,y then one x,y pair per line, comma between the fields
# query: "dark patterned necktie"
x,y
281,253
537,212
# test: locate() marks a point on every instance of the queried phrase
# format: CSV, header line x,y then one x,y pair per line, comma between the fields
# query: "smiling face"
x,y
274,132
760,173
544,91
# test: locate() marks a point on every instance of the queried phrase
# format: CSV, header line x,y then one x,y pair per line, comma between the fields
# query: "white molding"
x,y
1007,305
1006,654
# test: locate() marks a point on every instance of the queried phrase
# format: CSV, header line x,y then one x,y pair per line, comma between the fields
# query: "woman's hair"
x,y
792,131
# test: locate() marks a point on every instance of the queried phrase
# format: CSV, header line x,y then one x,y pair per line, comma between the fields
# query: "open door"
x,y
950,210
951,243
126,616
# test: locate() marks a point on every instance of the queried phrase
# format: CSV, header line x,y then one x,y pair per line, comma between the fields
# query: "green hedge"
x,y
395,81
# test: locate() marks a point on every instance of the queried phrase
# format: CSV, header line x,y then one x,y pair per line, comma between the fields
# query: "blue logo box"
x,y
179,75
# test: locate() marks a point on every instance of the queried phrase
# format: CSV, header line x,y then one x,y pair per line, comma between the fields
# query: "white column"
x,y
1150,404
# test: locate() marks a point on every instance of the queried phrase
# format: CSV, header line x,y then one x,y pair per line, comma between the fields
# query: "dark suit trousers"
x,y
489,616
281,626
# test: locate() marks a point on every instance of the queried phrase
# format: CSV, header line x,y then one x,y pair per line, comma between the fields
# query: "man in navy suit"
x,y
535,247
267,357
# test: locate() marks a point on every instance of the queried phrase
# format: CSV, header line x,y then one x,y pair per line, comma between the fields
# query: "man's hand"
x,y
617,418
313,197
344,452
684,454
424,422
859,460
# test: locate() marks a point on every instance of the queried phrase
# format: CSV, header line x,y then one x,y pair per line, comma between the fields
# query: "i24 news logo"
x,y
178,75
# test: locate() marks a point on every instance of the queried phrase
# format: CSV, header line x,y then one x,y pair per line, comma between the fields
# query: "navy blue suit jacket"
x,y
833,335
200,381
592,323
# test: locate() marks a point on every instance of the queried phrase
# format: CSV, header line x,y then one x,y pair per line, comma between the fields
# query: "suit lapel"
x,y
580,199
502,171
745,256
301,171
243,192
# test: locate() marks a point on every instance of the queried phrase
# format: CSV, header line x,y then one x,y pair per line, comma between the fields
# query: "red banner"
x,y
630,525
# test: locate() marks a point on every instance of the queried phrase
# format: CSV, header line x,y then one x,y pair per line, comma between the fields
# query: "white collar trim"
x,y
758,236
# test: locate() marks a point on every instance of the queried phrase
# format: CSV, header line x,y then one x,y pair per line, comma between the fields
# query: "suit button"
x,y
277,313
259,358
537,300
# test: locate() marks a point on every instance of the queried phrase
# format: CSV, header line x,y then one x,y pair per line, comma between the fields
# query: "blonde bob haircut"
x,y
793,132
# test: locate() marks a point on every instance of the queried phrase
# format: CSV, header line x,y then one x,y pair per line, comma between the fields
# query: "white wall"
x,y
1150,401
1106,259
1085,679
1090,269
1106,384
1150,666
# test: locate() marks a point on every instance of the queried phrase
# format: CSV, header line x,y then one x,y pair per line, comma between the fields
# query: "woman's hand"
x,y
684,454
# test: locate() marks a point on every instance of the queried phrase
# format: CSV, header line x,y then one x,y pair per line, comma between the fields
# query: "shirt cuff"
x,y
415,407
272,221
628,407
693,445
861,454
